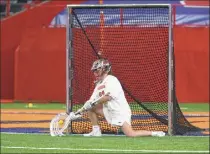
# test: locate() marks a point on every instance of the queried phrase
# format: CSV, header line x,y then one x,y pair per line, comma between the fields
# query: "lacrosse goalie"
x,y
108,100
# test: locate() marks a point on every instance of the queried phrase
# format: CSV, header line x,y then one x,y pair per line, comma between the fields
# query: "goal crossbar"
x,y
119,6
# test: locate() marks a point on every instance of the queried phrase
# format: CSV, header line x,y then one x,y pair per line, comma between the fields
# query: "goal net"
x,y
137,40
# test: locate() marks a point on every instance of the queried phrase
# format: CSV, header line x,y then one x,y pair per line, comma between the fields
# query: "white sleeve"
x,y
94,95
113,87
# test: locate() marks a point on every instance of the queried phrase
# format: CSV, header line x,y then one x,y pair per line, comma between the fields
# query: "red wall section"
x,y
40,66
12,29
37,69
192,64
197,2
40,63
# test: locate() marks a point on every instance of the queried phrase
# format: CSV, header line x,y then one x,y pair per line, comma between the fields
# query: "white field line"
x,y
107,150
48,134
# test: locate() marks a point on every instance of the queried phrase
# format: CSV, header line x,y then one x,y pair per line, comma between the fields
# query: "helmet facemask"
x,y
102,65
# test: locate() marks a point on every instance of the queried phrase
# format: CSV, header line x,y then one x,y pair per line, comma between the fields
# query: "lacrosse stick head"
x,y
59,124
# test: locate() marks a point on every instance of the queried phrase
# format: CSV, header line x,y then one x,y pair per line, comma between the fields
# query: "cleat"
x,y
96,133
159,134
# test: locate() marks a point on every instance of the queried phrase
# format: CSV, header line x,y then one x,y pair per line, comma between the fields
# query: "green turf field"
x,y
186,107
33,143
44,143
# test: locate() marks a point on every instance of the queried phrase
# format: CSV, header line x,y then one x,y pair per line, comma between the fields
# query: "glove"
x,y
74,116
87,105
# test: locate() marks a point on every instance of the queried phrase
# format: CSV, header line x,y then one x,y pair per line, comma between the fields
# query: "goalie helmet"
x,y
101,64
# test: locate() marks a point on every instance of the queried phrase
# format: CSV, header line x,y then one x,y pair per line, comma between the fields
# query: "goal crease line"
x,y
126,150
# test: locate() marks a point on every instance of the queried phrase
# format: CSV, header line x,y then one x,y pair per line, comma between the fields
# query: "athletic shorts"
x,y
116,119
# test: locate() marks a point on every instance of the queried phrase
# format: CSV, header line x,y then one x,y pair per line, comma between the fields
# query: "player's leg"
x,y
125,122
128,131
97,110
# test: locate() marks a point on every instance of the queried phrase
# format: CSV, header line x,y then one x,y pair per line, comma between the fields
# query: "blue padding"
x,y
184,15
25,130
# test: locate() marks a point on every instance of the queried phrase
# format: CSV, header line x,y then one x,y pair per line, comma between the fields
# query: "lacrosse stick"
x,y
55,127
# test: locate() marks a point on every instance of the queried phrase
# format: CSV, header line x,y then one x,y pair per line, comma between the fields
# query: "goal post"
x,y
139,45
170,75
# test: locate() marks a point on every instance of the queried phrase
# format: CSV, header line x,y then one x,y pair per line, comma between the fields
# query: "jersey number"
x,y
101,93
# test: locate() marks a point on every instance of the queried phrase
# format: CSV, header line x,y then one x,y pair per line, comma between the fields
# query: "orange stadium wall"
x,y
192,63
12,30
33,60
44,77
40,66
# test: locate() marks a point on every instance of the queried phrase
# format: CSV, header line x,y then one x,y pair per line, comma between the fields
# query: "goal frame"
x,y
69,55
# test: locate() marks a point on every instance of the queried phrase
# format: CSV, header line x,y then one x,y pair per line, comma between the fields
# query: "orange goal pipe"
x,y
101,29
101,2
8,8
